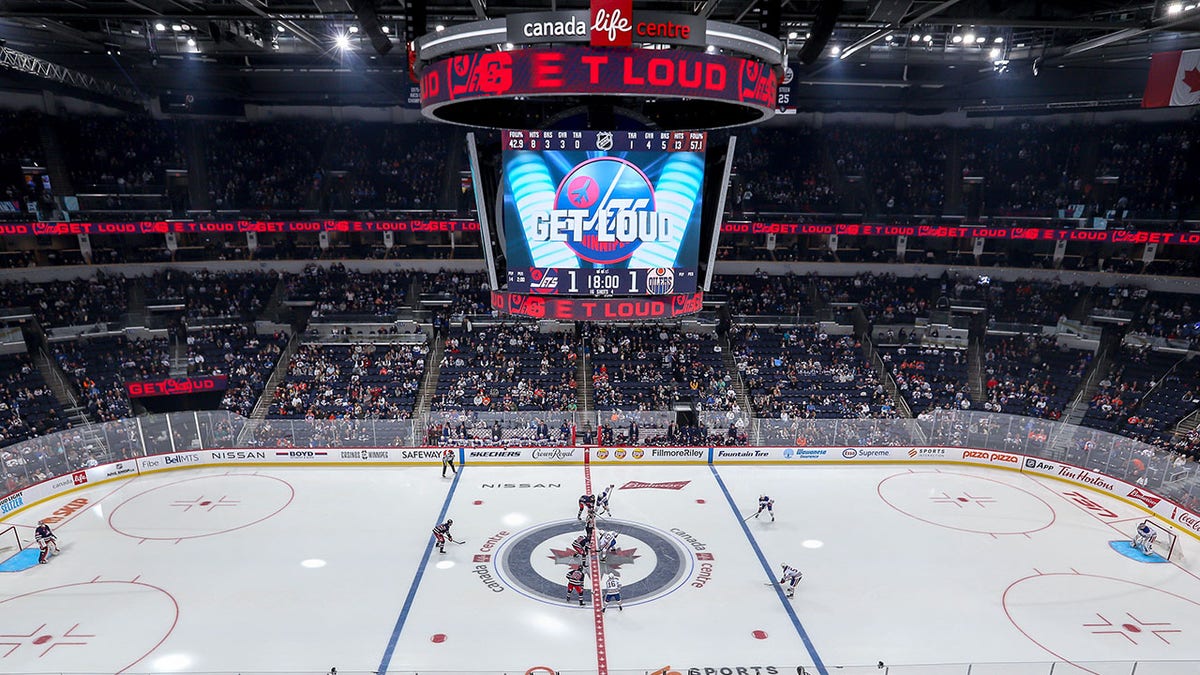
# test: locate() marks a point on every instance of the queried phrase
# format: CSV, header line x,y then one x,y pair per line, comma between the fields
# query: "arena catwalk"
x,y
920,568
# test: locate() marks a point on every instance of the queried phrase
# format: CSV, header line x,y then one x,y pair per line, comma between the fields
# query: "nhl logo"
x,y
660,281
604,140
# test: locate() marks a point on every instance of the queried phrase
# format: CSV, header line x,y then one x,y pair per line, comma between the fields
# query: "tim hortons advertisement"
x,y
637,455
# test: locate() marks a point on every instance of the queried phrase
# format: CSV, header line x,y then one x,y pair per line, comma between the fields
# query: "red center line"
x,y
594,565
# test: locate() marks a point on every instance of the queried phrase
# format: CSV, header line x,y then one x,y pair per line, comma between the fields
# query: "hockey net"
x,y
1167,542
10,543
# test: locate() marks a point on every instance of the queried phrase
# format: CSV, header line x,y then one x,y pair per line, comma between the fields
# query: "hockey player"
x,y
767,504
589,521
448,461
586,501
581,545
607,543
575,583
602,501
1144,538
45,540
791,576
612,590
441,533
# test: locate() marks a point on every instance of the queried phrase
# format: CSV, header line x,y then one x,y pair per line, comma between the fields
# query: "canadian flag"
x,y
1174,79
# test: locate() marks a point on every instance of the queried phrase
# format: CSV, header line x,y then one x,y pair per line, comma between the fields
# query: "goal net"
x,y
10,543
1166,542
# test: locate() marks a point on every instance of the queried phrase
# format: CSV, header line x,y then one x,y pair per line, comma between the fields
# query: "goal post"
x,y
1166,543
10,543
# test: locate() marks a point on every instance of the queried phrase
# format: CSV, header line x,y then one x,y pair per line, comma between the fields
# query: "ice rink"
x,y
297,570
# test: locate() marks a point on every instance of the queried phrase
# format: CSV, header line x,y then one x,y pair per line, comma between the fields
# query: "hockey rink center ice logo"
x,y
604,208
652,563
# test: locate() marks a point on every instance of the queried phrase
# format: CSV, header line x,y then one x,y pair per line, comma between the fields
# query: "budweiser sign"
x,y
612,23
638,485
1144,497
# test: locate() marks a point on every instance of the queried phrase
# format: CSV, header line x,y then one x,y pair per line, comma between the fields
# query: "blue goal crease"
x,y
762,559
412,590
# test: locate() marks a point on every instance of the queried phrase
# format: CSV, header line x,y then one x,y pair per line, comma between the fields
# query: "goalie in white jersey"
x,y
611,587
1144,538
791,577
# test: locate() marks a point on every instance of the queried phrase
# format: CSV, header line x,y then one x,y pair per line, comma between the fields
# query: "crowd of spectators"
x,y
244,357
1026,168
798,372
656,367
1154,168
388,166
236,295
263,166
1030,375
884,298
99,368
781,170
760,294
120,154
351,381
336,291
74,302
506,367
929,377
458,293
1164,406
1135,371
28,407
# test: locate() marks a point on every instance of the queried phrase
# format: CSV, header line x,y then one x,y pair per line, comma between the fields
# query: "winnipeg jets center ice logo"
x,y
534,562
604,208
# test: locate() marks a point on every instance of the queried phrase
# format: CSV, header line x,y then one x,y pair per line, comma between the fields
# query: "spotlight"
x,y
439,28
342,41
793,35
956,39
385,30
995,53
999,40
1174,8
889,37
160,27
970,37
353,30
280,29
176,27
927,38
915,38
835,50
191,42
980,40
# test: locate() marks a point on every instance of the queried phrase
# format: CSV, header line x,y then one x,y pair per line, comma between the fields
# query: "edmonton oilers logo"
x,y
613,191
660,280
535,562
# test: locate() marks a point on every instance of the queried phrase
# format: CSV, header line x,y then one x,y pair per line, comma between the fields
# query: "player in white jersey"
x,y
611,585
1144,538
602,501
767,504
791,577
607,542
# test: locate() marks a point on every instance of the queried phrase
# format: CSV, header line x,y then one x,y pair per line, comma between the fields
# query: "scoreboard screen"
x,y
602,213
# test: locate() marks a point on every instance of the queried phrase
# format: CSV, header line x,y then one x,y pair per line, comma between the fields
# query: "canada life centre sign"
x,y
608,23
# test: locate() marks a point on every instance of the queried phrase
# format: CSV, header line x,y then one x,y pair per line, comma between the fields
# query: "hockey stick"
x,y
459,541
747,518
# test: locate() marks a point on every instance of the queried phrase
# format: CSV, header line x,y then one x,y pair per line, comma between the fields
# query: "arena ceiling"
x,y
920,56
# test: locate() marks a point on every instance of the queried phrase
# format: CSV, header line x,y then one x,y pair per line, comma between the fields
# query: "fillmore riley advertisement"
x,y
602,213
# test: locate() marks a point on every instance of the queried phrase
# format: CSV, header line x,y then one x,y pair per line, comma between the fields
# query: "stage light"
x,y
927,38
160,27
191,42
1174,8
439,28
176,27
956,39
342,41
999,40
995,53
915,38
970,37
793,35
980,40
280,29
835,50
353,30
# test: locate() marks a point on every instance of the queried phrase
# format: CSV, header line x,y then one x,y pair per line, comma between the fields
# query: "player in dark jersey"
x,y
441,533
448,461
586,501
45,540
575,583
581,545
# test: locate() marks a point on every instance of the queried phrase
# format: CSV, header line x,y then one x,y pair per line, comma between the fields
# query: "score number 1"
x,y
607,282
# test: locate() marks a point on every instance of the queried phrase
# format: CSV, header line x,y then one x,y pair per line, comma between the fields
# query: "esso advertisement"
x,y
602,213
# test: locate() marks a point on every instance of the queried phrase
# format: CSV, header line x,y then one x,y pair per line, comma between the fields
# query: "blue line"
x,y
812,651
412,590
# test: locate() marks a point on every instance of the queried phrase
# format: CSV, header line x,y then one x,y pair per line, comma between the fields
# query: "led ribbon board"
x,y
602,213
